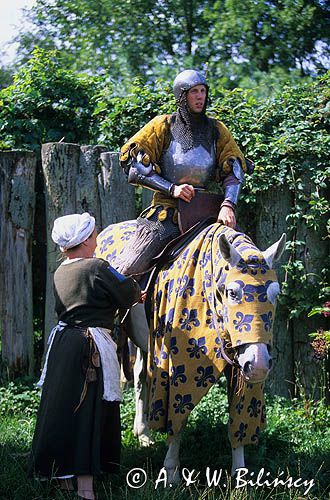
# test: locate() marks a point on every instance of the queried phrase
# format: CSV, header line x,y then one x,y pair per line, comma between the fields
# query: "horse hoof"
x,y
173,476
145,441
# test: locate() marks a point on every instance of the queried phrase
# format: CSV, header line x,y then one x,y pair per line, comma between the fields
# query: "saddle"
x,y
169,254
202,206
173,249
195,216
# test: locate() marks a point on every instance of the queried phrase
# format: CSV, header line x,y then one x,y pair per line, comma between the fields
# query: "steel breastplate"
x,y
195,167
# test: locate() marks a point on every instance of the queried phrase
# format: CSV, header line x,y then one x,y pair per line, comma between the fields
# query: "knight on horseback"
x,y
179,156
204,295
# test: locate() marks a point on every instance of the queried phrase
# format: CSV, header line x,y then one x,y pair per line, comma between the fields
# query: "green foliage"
x,y
46,103
288,139
290,420
151,38
286,136
321,338
325,310
120,117
260,36
6,76
18,399
121,39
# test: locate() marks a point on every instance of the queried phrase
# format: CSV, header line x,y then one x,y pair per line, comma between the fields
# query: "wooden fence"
x,y
87,178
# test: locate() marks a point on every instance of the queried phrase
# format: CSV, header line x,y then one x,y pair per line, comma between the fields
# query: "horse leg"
x,y
237,455
140,421
137,330
247,419
172,459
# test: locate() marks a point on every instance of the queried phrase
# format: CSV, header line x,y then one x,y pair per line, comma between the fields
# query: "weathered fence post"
x,y
273,207
17,176
70,174
314,254
76,182
117,197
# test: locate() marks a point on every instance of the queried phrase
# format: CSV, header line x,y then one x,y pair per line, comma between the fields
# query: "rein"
x,y
233,362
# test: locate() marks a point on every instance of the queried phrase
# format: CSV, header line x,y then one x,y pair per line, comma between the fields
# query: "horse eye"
x,y
231,293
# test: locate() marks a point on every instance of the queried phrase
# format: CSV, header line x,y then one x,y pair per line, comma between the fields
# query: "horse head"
x,y
247,289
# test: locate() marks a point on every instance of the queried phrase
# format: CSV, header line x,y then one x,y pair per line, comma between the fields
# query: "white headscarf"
x,y
71,230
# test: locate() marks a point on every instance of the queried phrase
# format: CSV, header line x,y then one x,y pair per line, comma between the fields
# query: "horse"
x,y
213,311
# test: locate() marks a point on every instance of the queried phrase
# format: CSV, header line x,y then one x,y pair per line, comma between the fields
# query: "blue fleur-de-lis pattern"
x,y
198,347
178,375
185,358
186,287
267,318
205,376
189,319
183,403
243,322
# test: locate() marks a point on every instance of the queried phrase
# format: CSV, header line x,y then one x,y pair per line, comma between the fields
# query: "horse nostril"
x,y
270,363
247,367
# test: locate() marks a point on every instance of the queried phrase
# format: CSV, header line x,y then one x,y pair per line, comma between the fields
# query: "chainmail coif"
x,y
192,129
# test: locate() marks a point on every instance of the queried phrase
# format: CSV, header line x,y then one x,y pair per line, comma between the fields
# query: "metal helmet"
x,y
186,80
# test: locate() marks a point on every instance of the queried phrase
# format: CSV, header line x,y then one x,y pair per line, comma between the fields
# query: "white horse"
x,y
238,279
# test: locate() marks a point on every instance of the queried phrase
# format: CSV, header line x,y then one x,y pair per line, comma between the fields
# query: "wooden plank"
x,y
17,200
117,197
272,208
314,254
71,186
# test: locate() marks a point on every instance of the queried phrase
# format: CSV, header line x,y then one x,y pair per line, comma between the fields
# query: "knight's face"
x,y
196,98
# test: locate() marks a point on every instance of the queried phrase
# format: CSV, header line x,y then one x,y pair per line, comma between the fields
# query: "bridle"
x,y
216,318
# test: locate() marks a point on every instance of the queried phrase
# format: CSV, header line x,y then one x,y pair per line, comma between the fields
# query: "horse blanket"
x,y
184,357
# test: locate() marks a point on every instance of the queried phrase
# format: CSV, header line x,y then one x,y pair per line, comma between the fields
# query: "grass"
x,y
296,444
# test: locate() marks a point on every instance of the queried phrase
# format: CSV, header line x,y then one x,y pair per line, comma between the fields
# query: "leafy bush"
x,y
286,136
16,398
288,139
46,103
120,117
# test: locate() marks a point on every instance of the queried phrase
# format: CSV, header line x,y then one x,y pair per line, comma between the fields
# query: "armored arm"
x,y
232,184
140,174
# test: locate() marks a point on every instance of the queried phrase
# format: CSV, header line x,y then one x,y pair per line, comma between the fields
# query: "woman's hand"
x,y
185,191
143,297
227,217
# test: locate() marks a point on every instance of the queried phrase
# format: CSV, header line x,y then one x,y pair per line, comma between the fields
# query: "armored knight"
x,y
175,155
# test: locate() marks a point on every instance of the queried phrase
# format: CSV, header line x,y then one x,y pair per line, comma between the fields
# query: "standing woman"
x,y
77,432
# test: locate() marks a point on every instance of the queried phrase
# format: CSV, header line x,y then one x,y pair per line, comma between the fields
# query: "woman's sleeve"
x,y
123,291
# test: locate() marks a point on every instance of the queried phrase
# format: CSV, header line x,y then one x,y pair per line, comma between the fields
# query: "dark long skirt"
x,y
85,441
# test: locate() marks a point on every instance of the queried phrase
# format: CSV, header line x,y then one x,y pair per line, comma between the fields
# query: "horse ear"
x,y
274,252
228,252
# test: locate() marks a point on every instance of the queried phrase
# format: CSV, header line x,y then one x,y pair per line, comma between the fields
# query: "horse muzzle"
x,y
255,375
255,362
